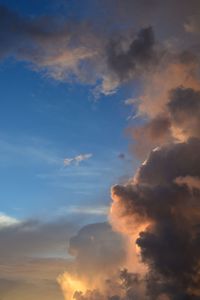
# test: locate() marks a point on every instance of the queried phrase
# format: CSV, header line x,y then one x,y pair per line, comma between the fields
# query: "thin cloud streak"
x,y
85,210
77,159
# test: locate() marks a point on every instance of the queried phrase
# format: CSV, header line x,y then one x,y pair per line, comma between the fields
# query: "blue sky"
x,y
43,121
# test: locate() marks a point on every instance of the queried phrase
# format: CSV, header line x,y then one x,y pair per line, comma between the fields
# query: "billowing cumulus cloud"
x,y
97,249
160,205
158,198
98,255
178,121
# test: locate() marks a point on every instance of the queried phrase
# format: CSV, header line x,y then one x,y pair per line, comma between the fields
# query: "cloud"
x,y
130,101
160,196
32,238
193,24
158,209
192,182
44,251
30,39
137,58
98,252
88,210
77,159
52,44
178,120
124,285
184,112
150,135
32,255
91,50
6,221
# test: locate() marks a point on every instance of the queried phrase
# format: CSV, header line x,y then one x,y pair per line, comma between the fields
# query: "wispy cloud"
x,y
27,151
77,159
99,210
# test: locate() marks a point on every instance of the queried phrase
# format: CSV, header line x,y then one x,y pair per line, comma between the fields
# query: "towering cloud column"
x,y
161,204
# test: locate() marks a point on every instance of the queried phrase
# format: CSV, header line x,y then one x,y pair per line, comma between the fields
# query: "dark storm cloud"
x,y
137,58
184,109
150,135
178,120
165,165
170,245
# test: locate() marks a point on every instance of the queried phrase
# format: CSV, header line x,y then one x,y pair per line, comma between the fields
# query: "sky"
x,y
99,149
43,122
